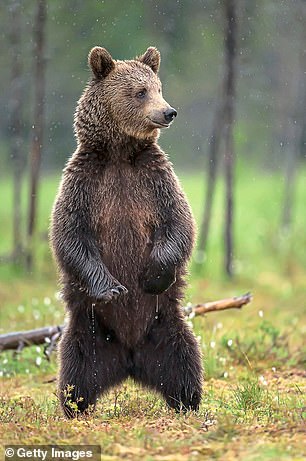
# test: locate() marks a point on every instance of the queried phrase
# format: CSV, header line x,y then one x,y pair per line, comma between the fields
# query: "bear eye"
x,y
141,94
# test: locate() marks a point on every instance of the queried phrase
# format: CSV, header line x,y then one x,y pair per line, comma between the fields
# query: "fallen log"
x,y
18,340
50,335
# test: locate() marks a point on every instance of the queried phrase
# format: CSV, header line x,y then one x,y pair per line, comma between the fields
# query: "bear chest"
x,y
127,209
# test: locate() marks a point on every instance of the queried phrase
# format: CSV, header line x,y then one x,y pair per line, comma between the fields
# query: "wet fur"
x,y
122,233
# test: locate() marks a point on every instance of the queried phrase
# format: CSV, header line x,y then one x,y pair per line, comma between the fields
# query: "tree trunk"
x,y
229,114
16,105
223,126
294,136
38,125
213,156
295,127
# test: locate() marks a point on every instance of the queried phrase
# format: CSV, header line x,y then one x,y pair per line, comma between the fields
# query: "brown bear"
x,y
122,233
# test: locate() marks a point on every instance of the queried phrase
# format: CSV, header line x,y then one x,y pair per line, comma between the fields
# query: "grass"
x,y
254,395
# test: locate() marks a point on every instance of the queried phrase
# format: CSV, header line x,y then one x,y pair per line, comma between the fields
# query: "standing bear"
x,y
122,233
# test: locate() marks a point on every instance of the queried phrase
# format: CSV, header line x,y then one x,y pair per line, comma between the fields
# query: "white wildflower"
x,y
47,301
262,380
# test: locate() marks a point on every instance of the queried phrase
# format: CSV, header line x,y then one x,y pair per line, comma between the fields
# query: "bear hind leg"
x,y
77,389
169,361
88,367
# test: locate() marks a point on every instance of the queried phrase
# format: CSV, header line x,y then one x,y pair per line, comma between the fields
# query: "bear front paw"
x,y
108,294
158,279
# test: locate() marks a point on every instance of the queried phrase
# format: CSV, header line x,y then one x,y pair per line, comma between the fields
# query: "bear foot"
x,y
186,401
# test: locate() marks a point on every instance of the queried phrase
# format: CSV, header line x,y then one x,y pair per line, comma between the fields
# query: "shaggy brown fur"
x,y
122,233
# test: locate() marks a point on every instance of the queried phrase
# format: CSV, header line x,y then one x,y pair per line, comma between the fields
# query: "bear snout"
x,y
163,117
169,114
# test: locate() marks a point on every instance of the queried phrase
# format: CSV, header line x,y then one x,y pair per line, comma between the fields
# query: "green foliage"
x,y
265,343
31,362
249,396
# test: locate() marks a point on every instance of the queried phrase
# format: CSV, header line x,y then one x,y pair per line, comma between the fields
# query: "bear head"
x,y
123,98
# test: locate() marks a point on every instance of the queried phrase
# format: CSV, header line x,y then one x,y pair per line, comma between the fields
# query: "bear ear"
x,y
100,62
151,58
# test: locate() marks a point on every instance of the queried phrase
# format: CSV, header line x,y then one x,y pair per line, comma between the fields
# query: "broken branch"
x,y
221,305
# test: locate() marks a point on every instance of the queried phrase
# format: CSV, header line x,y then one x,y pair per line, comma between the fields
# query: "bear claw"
x,y
113,293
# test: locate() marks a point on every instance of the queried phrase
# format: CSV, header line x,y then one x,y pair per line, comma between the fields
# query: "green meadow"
x,y
254,394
